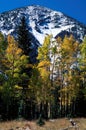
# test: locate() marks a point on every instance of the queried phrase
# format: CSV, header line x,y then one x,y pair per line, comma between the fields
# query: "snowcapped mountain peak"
x,y
41,21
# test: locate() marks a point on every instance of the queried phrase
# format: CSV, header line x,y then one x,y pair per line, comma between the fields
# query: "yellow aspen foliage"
x,y
44,64
43,51
14,57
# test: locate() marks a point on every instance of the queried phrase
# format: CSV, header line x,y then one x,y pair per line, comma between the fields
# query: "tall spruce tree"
x,y
24,39
24,42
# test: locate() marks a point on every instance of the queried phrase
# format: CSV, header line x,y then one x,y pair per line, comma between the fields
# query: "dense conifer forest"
x,y
52,87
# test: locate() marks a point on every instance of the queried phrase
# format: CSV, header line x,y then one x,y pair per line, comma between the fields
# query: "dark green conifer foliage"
x,y
24,39
24,42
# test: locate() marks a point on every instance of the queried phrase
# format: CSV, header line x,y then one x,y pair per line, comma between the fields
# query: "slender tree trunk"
x,y
49,110
46,110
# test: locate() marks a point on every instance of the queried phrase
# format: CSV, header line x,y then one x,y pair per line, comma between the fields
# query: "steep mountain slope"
x,y
41,21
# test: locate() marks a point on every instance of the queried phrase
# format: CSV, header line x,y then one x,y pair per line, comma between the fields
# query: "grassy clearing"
x,y
57,124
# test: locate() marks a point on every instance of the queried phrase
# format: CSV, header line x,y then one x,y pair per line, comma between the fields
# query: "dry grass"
x,y
58,124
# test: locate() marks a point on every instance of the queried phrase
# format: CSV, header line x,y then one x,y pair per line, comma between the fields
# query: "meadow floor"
x,y
57,124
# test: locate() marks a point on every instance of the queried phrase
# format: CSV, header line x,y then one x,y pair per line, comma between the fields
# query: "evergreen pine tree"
x,y
24,42
24,39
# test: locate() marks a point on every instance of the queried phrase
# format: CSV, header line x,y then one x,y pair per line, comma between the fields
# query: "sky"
x,y
73,8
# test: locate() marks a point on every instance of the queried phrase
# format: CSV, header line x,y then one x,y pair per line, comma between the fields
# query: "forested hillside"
x,y
53,86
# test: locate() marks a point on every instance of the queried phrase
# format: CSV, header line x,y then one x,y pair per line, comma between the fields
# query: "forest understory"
x,y
54,124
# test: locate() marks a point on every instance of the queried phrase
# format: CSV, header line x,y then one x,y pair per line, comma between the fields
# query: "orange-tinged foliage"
x,y
44,64
14,58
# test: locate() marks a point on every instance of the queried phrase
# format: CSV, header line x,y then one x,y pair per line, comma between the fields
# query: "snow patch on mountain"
x,y
7,32
50,30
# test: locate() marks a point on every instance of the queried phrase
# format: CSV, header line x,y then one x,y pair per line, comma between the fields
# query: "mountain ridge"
x,y
42,7
41,21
